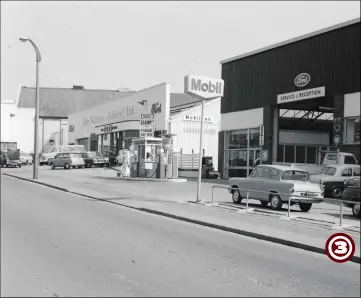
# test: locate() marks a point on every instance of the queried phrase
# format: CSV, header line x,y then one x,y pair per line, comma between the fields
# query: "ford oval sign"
x,y
302,79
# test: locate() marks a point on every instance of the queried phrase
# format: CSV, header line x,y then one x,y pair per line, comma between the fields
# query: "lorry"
x,y
330,158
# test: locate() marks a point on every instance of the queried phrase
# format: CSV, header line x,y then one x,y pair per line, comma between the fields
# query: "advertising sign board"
x,y
203,87
146,125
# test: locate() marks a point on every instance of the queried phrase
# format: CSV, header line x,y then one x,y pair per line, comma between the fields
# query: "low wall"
x,y
188,173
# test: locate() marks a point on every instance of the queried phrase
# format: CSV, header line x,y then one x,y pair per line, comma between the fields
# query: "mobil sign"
x,y
203,87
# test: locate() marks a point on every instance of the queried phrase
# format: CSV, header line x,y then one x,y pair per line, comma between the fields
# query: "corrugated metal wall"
x,y
188,132
332,59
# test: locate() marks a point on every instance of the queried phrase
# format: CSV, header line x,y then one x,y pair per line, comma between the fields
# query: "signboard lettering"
x,y
203,87
301,95
146,125
188,117
261,135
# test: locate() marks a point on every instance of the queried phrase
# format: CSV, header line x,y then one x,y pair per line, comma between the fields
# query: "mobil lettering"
x,y
208,86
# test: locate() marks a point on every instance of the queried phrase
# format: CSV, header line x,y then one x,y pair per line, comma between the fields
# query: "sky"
x,y
135,45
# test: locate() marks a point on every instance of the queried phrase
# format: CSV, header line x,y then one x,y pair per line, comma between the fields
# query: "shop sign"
x,y
107,129
188,117
156,108
261,135
71,128
111,116
301,95
146,125
203,87
302,79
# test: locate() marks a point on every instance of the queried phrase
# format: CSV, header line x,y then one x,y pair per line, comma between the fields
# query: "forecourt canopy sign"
x,y
203,87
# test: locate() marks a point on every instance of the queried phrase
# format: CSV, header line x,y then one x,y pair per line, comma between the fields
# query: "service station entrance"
x,y
304,130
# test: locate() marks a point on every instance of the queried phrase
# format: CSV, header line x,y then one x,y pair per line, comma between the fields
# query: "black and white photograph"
x,y
180,149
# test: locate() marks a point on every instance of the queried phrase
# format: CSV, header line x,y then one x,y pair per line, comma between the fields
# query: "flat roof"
x,y
292,40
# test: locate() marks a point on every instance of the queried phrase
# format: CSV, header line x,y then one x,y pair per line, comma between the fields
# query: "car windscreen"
x,y
294,175
330,171
75,155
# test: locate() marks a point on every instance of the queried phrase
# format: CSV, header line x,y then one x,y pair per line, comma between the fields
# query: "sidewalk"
x,y
292,233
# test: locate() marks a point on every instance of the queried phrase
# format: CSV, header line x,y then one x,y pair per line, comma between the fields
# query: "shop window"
x,y
237,139
300,154
311,154
105,137
237,158
253,138
352,131
289,153
280,153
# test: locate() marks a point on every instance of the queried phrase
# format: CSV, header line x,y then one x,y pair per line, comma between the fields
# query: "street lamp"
x,y
36,122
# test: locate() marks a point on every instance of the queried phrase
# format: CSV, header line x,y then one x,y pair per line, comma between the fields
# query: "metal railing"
x,y
291,197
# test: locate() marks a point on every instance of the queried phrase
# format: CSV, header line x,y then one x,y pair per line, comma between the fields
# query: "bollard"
x,y
289,207
212,194
341,211
247,201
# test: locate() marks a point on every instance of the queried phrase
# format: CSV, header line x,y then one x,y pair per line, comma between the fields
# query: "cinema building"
x,y
304,92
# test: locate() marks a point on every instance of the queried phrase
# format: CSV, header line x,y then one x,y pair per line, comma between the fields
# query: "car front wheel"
x,y
52,166
305,207
66,166
356,210
276,202
236,197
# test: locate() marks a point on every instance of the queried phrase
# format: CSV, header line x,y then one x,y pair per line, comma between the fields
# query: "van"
x,y
45,156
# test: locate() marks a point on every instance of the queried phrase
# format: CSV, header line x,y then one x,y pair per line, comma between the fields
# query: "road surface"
x,y
57,244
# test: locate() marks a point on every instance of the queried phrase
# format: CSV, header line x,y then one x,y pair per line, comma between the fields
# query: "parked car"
x,y
333,177
46,156
26,158
67,160
278,184
352,193
95,158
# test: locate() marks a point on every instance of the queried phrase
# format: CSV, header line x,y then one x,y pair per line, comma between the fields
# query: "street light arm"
x,y
38,55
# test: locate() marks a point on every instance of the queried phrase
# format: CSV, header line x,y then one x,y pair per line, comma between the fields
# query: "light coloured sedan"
x,y
333,178
275,184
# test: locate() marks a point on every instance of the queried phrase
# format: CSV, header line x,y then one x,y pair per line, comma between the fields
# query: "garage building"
x,y
304,91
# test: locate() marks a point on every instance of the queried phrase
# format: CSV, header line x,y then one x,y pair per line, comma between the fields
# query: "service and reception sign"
x,y
146,125
203,87
301,95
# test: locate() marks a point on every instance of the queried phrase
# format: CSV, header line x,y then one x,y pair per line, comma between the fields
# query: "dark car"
x,y
352,193
95,158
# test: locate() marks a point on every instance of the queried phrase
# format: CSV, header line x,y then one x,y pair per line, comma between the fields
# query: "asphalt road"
x,y
58,244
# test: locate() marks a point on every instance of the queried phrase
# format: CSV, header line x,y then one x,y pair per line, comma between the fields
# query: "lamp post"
x,y
36,122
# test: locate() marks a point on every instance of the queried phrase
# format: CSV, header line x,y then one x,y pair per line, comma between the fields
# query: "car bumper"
x,y
78,164
306,200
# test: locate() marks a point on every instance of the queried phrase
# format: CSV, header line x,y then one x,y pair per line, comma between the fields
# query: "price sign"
x,y
146,125
261,135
